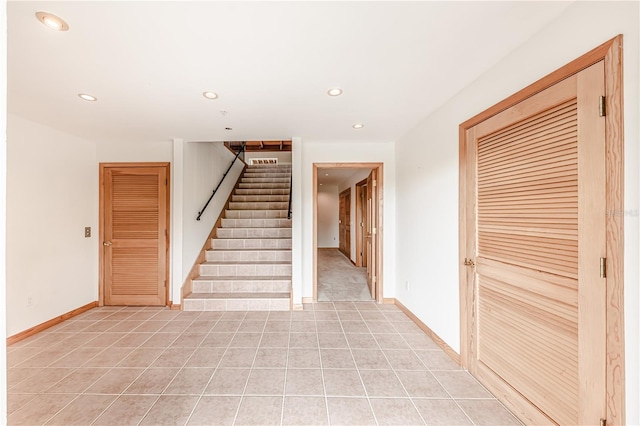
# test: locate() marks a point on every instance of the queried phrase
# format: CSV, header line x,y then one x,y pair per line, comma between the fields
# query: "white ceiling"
x,y
271,63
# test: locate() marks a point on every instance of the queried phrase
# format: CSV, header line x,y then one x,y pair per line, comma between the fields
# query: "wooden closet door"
x,y
135,215
371,232
536,206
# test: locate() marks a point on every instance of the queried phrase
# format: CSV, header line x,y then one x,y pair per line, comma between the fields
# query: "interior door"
x,y
345,223
537,235
134,203
361,213
371,231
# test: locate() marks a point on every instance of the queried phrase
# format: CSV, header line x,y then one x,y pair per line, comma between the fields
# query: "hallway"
x,y
339,279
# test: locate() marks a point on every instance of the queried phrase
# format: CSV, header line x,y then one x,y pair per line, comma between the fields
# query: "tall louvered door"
x,y
536,204
135,244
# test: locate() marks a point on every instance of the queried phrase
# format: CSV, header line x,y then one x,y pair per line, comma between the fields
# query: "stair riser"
x,y
248,255
259,206
237,305
245,270
265,180
256,223
260,198
256,214
250,243
250,233
262,191
246,286
269,169
247,185
261,175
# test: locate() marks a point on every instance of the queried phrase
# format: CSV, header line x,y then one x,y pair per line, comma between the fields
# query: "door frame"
x,y
379,194
611,53
101,266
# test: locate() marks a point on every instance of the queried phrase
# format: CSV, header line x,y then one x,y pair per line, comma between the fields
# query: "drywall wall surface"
x,y
52,195
131,152
328,216
343,152
427,173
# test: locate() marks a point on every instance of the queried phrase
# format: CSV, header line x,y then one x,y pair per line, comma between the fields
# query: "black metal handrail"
x,y
221,180
290,192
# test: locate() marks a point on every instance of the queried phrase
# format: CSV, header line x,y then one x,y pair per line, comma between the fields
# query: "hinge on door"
x,y
165,283
603,422
374,231
375,183
603,267
165,181
602,107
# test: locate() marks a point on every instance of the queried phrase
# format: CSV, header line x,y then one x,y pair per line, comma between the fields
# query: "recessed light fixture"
x,y
358,126
52,21
210,95
87,97
336,91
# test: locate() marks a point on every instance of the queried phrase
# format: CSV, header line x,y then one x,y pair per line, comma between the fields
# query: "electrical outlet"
x,y
87,232
29,301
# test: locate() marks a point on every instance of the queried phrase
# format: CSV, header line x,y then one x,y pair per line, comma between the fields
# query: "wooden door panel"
x,y
535,207
135,235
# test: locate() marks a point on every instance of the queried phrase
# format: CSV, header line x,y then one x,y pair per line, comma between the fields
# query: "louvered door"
x,y
538,211
134,229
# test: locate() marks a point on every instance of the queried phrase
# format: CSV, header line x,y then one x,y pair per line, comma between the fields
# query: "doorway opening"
x,y
347,261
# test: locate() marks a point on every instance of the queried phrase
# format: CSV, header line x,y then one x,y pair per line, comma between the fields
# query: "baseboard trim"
x,y
307,300
388,301
175,306
47,324
446,348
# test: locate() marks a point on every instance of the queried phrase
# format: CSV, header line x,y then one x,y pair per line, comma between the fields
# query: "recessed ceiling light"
x,y
52,21
210,95
87,97
358,126
335,92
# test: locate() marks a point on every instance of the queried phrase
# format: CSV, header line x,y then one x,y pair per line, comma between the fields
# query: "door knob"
x,y
106,243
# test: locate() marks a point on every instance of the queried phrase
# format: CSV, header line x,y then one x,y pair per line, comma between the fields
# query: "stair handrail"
x,y
290,192
221,180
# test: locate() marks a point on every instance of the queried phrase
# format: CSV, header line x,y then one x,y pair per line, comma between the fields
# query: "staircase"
x,y
248,267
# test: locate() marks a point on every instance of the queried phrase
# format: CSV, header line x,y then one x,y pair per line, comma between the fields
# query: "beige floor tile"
x,y
337,358
487,412
372,314
421,384
252,326
17,374
381,327
395,412
217,340
78,380
83,410
152,381
126,410
115,381
361,341
354,327
277,326
342,383
176,326
332,340
132,340
189,340
173,357
205,357
304,382
303,325
437,360
370,359
105,340
420,341
303,358
441,412
328,315
275,340
382,383
460,384
170,410
303,340
160,340
329,326
403,359
259,410
300,410
109,357
246,340
15,401
238,358
350,411
141,357
271,358
44,379
77,357
215,410
228,382
190,381
391,341
265,382
40,409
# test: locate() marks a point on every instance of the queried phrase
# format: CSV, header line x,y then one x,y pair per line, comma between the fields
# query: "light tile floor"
x,y
339,363
339,279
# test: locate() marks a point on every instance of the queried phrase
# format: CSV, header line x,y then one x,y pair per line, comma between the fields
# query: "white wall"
x,y
328,216
3,210
283,157
51,267
204,166
134,151
427,177
340,152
